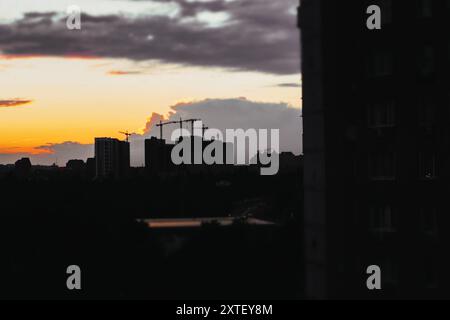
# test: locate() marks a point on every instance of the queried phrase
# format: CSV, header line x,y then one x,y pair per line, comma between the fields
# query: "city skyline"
x,y
61,89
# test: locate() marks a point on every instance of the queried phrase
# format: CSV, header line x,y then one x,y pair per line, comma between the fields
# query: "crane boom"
x,y
192,121
181,121
162,124
127,134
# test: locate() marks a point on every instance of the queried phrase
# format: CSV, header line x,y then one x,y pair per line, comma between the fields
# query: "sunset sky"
x,y
135,61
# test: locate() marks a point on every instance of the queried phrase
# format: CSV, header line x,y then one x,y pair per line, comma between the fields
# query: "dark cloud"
x,y
14,103
259,36
289,85
192,8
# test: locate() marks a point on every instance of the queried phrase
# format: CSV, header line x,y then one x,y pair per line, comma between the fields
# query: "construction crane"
x,y
162,124
204,128
127,134
192,121
180,122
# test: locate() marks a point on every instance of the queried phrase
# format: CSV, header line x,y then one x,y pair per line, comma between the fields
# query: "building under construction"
x,y
157,156
158,151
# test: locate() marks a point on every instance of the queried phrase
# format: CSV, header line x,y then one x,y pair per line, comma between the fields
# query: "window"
x,y
382,219
382,166
381,115
429,220
425,8
427,165
380,64
426,61
448,50
431,274
426,111
390,273
386,11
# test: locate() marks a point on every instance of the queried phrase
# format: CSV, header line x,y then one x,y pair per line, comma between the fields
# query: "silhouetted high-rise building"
x,y
376,143
112,158
157,155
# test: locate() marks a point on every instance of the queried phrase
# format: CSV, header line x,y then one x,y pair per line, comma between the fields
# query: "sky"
x,y
232,63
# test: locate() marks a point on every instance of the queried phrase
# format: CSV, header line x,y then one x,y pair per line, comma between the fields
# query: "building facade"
x,y
376,112
112,158
158,156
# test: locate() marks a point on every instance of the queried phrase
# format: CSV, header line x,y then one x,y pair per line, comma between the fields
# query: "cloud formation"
x,y
14,103
255,36
238,113
68,150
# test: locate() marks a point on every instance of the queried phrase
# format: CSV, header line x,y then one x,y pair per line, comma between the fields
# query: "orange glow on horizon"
x,y
25,150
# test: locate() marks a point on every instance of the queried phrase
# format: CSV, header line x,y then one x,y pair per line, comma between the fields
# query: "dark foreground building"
x,y
376,110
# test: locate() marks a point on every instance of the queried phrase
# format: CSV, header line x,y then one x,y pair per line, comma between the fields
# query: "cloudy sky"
x,y
232,63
